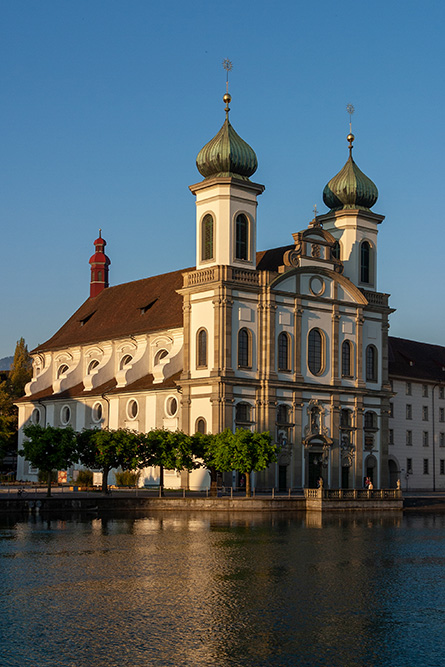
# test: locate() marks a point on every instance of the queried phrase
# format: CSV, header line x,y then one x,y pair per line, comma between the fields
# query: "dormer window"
x,y
161,354
92,365
62,370
126,359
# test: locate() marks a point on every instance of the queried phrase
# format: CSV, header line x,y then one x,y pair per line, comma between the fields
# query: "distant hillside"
x,y
5,363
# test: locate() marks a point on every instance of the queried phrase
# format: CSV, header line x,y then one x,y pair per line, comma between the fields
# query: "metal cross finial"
x,y
350,109
228,66
315,210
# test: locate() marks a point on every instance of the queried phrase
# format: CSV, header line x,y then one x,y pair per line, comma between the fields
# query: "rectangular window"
x,y
425,413
391,409
442,414
425,439
409,466
409,411
391,436
441,392
409,438
442,466
408,389
425,391
426,467
442,440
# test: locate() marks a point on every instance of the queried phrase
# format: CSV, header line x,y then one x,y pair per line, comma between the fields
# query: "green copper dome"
x,y
227,154
350,188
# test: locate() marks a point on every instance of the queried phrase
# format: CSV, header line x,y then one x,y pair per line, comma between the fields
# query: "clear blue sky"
x,y
106,103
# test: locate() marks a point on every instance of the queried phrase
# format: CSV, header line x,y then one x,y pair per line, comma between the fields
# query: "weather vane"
x,y
228,66
350,109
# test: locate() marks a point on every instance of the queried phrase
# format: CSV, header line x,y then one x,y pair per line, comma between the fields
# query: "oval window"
x,y
132,409
171,406
97,412
65,414
35,417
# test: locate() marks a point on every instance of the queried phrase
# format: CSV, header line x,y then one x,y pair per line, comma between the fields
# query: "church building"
x,y
292,340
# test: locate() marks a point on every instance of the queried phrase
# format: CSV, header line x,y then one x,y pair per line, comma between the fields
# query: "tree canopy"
x,y
49,448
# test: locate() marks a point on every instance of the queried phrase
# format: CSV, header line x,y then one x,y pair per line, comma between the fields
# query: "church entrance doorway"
x,y
393,473
282,478
315,470
345,477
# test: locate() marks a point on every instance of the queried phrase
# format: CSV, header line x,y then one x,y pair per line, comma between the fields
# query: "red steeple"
x,y
99,267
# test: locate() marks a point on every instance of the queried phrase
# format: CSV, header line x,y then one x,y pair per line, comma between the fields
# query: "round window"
x,y
132,409
97,412
65,414
35,417
171,406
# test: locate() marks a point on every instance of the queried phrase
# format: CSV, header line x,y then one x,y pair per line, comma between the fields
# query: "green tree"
x,y
21,369
11,389
204,449
167,449
244,451
107,448
49,448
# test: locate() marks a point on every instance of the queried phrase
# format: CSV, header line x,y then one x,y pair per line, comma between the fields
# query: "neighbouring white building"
x,y
293,340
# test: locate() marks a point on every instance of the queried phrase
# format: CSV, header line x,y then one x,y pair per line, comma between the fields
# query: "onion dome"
x,y
227,154
350,188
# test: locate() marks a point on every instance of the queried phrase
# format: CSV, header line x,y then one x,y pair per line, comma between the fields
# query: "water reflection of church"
x,y
293,340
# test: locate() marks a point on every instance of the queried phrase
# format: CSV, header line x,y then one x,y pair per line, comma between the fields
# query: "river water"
x,y
223,590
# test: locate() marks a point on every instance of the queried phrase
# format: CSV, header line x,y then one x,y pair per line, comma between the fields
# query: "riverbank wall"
x,y
92,503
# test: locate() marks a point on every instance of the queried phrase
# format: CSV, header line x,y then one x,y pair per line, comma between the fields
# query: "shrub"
x,y
127,478
85,478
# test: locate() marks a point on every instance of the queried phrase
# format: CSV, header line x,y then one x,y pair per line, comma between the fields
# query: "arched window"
x,y
201,426
242,237
346,359
125,361
335,250
243,414
315,351
62,370
365,262
283,352
201,349
371,363
92,365
207,237
244,349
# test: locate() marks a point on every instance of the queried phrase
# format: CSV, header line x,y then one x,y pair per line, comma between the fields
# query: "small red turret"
x,y
99,267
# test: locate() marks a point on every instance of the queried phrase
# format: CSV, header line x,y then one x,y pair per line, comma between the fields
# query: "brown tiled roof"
x,y
417,361
270,260
142,306
144,383
129,309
